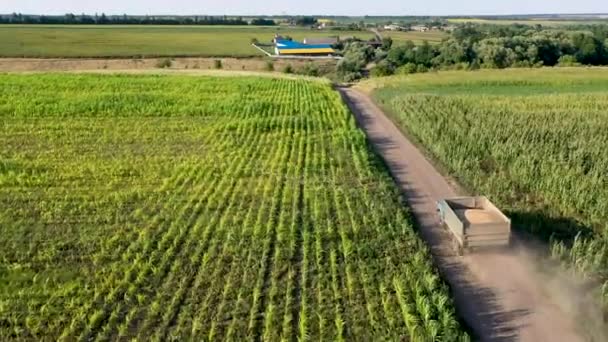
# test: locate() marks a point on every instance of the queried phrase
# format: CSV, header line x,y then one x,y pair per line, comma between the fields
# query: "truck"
x,y
474,222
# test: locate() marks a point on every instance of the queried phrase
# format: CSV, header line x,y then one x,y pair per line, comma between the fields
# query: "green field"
x,y
432,37
202,208
534,141
151,41
544,22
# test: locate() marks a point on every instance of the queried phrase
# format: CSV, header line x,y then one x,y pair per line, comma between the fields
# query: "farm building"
x,y
419,28
394,27
288,47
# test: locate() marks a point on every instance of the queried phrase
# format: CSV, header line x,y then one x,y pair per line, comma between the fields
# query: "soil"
x,y
478,216
86,64
511,294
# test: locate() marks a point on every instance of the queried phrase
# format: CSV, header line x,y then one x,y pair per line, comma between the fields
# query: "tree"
x,y
424,54
305,21
103,19
494,54
356,57
387,43
589,50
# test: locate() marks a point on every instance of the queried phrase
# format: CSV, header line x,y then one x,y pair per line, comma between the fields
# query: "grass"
x,y
534,141
155,207
433,37
151,41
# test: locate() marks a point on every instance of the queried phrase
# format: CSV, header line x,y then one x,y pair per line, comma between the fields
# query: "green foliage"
x,y
387,43
534,141
356,57
568,61
310,69
288,69
406,69
171,203
269,66
382,69
421,68
499,46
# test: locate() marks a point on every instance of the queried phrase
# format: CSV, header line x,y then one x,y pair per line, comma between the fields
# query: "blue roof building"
x,y
289,47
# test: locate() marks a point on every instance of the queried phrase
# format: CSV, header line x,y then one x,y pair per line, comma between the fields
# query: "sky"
x,y
304,7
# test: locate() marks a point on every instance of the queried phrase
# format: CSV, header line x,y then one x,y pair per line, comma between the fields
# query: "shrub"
x,y
523,64
382,69
475,65
288,69
269,66
422,68
217,64
164,63
567,61
310,69
351,76
406,69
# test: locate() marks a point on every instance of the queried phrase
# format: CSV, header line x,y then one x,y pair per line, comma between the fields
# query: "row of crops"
x,y
534,141
190,208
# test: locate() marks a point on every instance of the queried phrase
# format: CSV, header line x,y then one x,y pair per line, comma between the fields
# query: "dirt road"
x,y
502,296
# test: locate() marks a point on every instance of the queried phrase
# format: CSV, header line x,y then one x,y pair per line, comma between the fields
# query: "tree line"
x,y
474,46
103,19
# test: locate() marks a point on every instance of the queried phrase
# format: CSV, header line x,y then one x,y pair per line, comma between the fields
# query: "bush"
x,y
310,69
421,68
164,63
382,69
351,76
475,65
288,69
269,66
567,61
217,64
356,57
406,69
522,64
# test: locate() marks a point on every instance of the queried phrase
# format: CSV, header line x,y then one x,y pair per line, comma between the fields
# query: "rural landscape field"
x,y
128,41
268,175
158,207
534,140
153,41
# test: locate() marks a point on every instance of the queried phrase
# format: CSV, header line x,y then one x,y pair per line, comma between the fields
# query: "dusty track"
x,y
501,295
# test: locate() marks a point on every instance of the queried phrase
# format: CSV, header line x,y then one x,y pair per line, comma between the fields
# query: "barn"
x,y
292,48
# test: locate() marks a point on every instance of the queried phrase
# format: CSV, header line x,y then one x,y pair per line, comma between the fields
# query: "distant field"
x,y
543,22
127,41
432,37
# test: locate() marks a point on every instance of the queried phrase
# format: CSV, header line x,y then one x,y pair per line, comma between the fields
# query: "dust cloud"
x,y
575,296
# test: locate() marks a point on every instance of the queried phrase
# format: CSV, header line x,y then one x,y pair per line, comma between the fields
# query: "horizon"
x,y
348,8
316,15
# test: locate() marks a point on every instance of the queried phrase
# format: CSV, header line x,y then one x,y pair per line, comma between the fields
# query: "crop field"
x,y
202,208
533,140
146,41
400,37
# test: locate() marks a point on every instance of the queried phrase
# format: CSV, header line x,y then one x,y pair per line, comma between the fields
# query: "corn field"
x,y
199,208
535,141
